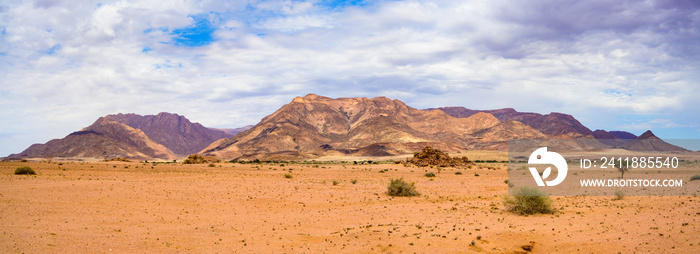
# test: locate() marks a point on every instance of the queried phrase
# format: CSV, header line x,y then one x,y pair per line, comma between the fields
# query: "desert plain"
x,y
317,207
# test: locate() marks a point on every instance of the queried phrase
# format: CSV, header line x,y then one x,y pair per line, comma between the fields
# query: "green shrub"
x,y
528,200
401,188
335,182
430,174
458,173
24,170
353,181
695,177
619,195
288,176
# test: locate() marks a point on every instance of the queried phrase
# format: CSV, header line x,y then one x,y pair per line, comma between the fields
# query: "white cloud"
x,y
296,23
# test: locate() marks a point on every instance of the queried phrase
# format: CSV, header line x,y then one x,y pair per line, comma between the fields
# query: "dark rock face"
x,y
164,136
623,134
551,124
102,139
173,131
608,138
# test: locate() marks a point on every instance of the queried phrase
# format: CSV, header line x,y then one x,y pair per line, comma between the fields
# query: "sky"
x,y
614,65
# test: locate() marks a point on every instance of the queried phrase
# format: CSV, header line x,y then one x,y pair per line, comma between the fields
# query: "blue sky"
x,y
621,65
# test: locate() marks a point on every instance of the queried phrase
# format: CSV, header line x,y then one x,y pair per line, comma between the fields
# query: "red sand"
x,y
105,207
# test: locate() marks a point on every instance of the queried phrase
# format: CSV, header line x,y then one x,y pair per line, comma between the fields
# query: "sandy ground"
x,y
136,207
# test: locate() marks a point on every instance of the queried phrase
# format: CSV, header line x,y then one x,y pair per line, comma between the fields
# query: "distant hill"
x,y
173,131
650,142
554,124
165,136
314,125
608,138
233,132
623,134
102,139
602,134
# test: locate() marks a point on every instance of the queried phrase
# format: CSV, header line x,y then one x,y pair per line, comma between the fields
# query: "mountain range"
x,y
554,124
314,125
164,136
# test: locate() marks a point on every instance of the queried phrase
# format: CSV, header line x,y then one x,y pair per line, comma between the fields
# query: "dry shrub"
x,y
528,200
24,170
122,159
401,188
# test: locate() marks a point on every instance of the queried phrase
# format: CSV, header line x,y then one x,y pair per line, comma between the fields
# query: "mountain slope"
x,y
234,131
315,125
649,142
102,139
623,134
555,124
608,138
173,131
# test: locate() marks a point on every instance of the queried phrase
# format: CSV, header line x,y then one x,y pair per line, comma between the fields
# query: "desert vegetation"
x,y
622,168
24,170
400,188
619,195
122,159
528,200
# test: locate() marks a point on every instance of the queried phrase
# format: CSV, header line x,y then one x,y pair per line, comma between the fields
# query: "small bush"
x,y
118,159
24,170
695,177
353,181
211,165
619,195
401,188
288,176
335,182
528,200
430,174
458,173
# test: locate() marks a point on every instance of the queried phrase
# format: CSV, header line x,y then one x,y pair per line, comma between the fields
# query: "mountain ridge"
x,y
131,136
316,125
554,124
174,131
102,139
